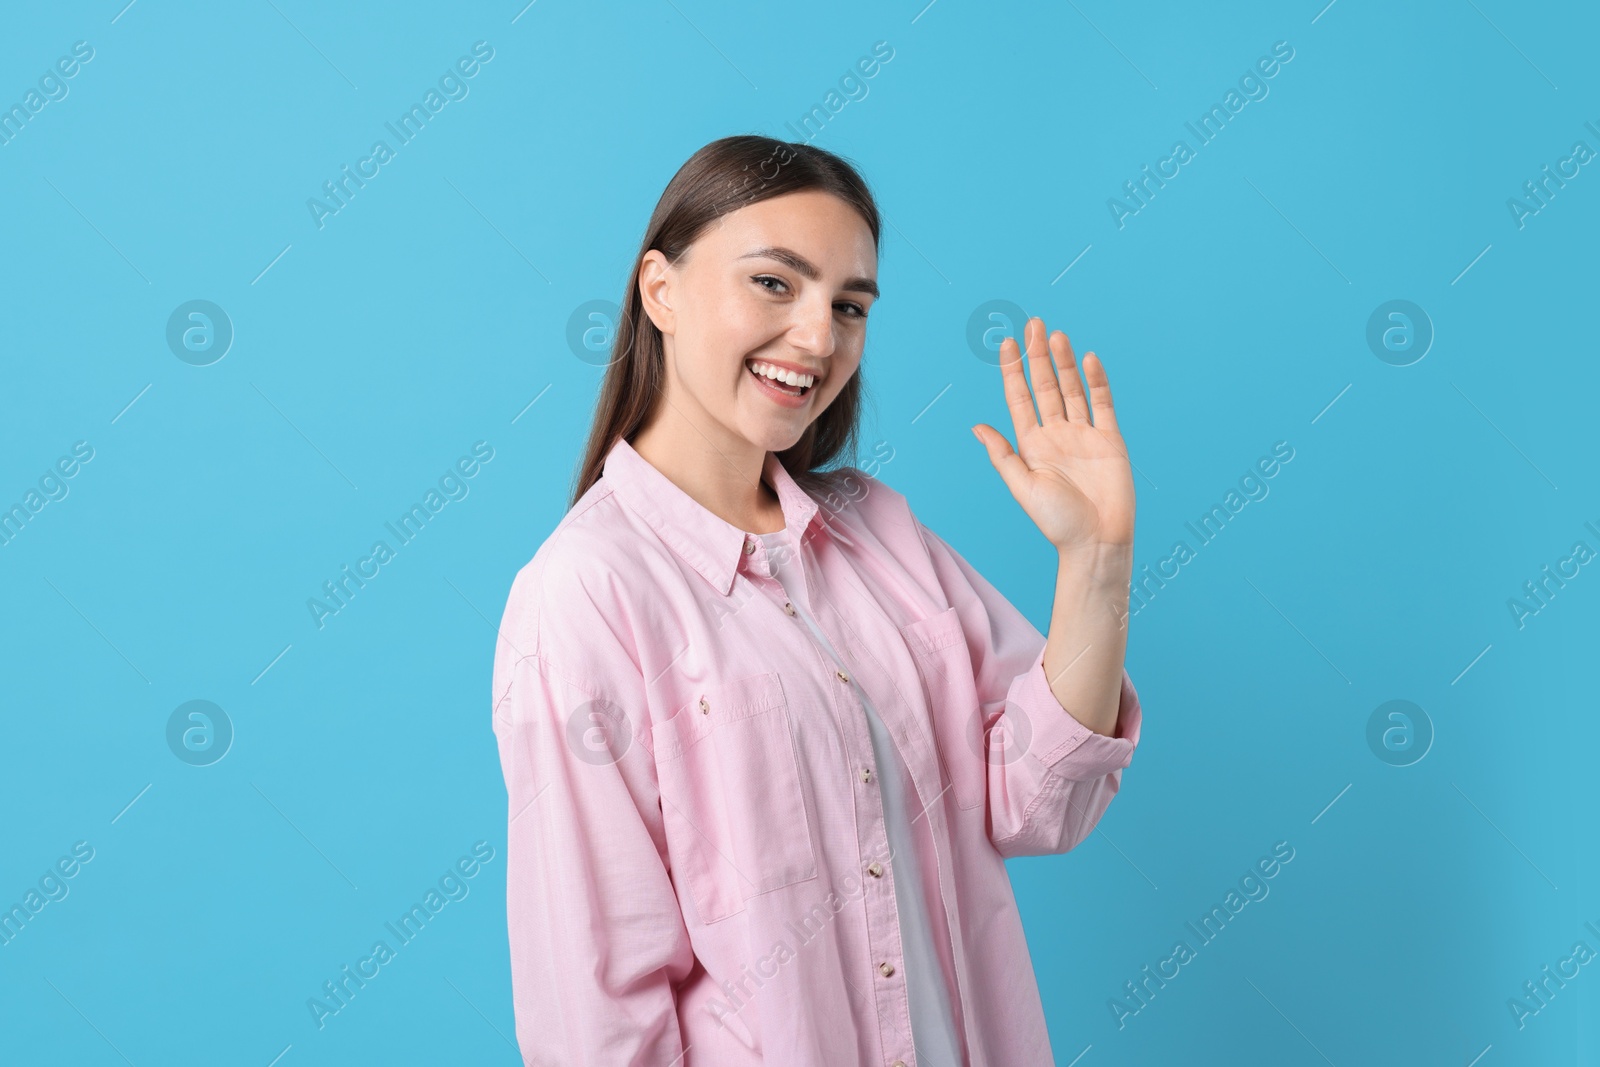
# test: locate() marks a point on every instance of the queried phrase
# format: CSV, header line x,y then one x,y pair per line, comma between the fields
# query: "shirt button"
x,y
898,1063
886,969
749,547
843,677
875,869
788,607
866,774
705,707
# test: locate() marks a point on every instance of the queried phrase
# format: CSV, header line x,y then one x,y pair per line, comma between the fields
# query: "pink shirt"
x,y
698,871
930,983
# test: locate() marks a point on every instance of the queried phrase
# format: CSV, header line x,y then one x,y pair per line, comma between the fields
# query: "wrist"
x,y
1103,563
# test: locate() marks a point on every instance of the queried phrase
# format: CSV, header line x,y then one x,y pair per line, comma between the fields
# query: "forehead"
x,y
820,226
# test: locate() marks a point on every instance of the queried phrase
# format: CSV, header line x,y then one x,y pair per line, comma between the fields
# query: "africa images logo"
x,y
452,85
454,484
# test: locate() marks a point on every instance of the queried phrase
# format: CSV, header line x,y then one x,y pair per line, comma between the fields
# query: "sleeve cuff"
x,y
1062,743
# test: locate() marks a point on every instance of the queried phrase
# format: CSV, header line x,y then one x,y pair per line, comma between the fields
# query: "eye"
x,y
777,286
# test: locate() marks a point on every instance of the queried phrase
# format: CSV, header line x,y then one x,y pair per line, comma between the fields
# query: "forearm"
x,y
1088,638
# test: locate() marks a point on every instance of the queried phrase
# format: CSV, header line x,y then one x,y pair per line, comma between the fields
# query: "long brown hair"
x,y
720,178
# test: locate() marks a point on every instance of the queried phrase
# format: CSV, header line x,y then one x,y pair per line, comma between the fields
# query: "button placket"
x,y
882,908
883,918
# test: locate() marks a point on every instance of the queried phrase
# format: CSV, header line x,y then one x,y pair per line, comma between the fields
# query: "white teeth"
x,y
788,377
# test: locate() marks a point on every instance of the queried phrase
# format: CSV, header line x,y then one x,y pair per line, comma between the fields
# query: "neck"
x,y
720,475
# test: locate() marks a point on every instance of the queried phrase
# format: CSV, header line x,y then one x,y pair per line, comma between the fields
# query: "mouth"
x,y
777,380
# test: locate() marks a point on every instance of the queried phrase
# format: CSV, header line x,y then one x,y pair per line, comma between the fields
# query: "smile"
x,y
779,381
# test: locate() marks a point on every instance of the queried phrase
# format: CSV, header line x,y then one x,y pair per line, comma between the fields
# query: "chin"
x,y
777,438
781,442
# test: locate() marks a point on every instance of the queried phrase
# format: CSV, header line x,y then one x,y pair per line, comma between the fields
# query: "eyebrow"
x,y
806,269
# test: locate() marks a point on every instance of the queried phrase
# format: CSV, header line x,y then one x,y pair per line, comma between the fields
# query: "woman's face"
x,y
784,284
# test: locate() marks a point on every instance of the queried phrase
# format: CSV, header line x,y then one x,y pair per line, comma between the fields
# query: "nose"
x,y
811,330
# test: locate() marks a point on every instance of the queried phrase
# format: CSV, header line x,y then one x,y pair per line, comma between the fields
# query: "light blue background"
x,y
1231,312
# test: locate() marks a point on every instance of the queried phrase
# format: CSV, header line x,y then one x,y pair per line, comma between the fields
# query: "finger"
x,y
1018,400
1105,413
1010,466
1045,389
1071,387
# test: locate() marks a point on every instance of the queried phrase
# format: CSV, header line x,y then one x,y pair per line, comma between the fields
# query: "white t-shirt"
x,y
933,1030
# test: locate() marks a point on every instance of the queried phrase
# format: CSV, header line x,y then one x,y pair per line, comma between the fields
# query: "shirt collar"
x,y
711,545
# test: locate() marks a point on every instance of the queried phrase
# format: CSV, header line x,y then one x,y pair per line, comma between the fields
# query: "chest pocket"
x,y
949,684
731,795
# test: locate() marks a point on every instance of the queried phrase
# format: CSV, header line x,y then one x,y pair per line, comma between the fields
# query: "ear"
x,y
655,290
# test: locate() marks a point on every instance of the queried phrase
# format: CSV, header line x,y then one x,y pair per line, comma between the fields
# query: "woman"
x,y
768,740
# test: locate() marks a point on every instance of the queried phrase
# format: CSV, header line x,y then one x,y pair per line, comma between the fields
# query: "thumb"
x,y
1010,466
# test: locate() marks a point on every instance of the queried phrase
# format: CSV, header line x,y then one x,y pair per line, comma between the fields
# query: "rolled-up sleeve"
x,y
1050,778
597,939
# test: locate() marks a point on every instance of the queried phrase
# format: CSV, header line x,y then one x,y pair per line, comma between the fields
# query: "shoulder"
x,y
867,503
879,522
566,607
884,525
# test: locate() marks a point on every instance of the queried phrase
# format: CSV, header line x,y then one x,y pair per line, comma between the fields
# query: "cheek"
x,y
742,328
848,356
840,377
738,324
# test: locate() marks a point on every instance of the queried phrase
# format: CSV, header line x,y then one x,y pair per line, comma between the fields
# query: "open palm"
x,y
1071,475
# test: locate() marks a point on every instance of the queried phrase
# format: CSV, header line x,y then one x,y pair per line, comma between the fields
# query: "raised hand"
x,y
1070,474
